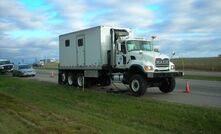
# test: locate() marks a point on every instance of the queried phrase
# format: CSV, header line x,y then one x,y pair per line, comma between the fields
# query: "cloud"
x,y
25,33
131,15
189,16
71,12
22,47
14,13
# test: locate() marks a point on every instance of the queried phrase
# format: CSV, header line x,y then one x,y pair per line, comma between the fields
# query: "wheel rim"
x,y
135,85
80,80
70,80
63,77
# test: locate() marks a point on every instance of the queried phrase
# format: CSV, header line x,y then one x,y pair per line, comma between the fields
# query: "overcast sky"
x,y
30,28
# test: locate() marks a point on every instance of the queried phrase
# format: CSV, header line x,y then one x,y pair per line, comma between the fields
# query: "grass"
x,y
29,106
199,64
201,77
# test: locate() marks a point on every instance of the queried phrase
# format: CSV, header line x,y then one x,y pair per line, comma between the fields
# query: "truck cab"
x,y
150,68
140,52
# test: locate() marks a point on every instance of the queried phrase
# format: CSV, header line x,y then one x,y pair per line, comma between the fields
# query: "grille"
x,y
8,67
162,62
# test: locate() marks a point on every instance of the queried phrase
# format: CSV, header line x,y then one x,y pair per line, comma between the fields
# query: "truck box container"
x,y
86,48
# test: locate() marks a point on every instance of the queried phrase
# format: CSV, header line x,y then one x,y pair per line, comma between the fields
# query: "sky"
x,y
29,29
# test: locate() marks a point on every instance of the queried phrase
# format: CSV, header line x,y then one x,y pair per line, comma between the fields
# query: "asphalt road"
x,y
202,93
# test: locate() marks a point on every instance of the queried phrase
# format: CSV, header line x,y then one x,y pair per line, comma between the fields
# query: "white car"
x,y
23,70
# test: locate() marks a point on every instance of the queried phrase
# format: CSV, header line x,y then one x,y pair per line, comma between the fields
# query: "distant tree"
x,y
219,55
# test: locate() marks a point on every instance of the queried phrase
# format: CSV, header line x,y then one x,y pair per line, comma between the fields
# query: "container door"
x,y
80,51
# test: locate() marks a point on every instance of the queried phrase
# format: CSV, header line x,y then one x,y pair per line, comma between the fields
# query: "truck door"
x,y
80,51
121,57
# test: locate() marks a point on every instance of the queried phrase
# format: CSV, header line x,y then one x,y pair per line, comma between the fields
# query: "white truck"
x,y
105,54
5,66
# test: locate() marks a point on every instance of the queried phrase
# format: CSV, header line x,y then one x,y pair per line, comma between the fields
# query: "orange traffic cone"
x,y
52,74
187,90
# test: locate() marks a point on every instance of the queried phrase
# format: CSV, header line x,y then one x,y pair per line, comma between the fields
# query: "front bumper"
x,y
162,74
28,74
6,68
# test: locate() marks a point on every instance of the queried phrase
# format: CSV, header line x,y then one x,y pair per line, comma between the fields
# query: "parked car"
x,y
23,70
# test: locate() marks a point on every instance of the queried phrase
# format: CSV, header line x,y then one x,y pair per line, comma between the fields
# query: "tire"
x,y
168,85
70,79
63,78
79,80
138,85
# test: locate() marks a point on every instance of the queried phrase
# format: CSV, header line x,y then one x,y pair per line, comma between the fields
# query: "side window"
x,y
80,42
67,43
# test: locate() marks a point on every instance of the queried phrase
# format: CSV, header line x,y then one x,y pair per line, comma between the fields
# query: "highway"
x,y
202,93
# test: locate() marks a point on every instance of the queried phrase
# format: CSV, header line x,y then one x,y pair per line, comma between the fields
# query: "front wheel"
x,y
138,85
167,85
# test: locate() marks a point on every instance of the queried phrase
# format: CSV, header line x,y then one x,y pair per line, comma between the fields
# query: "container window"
x,y
67,43
80,42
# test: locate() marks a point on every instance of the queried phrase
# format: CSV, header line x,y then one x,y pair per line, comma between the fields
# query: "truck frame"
x,y
106,54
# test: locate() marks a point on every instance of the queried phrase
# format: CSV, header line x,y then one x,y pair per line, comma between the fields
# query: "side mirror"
x,y
173,53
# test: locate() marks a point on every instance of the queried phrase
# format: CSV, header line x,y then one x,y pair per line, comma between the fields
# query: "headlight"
x,y
146,68
172,67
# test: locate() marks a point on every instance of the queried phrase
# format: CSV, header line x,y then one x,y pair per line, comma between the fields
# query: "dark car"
x,y
23,70
5,66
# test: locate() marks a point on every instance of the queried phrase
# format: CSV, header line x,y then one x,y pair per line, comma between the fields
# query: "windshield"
x,y
134,45
24,67
4,62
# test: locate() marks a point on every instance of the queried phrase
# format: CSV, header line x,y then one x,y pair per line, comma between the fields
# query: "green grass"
x,y
200,64
29,106
201,77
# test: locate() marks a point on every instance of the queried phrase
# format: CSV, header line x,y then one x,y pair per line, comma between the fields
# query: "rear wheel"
x,y
138,85
167,85
63,78
70,80
79,80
